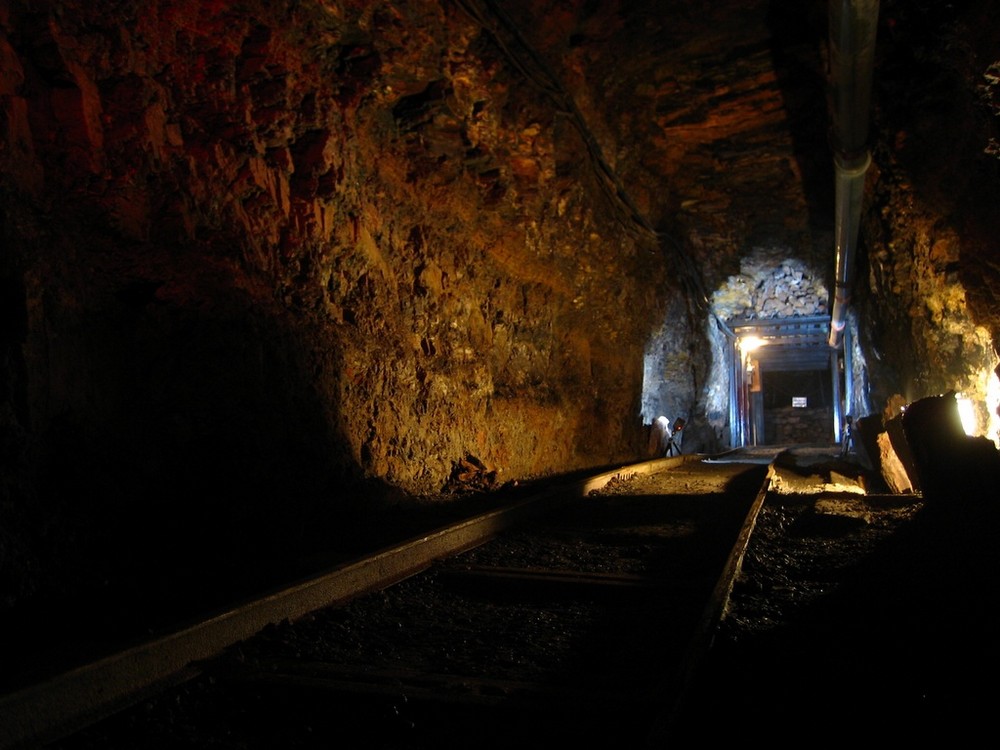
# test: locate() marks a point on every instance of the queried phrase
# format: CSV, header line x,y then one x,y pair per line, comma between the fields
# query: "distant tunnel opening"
x,y
793,389
797,407
773,375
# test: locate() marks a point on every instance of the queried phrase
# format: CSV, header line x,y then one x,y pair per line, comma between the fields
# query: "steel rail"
x,y
712,616
79,697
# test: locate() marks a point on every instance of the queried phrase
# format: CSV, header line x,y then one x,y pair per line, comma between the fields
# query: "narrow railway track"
x,y
576,615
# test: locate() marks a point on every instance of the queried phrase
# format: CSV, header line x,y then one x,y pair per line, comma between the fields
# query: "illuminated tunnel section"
x,y
773,371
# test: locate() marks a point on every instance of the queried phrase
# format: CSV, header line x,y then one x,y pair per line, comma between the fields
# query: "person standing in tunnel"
x,y
848,444
675,437
659,437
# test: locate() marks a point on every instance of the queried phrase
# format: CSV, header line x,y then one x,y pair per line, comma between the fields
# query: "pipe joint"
x,y
852,164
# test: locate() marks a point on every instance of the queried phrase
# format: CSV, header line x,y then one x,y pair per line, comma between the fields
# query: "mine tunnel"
x,y
272,271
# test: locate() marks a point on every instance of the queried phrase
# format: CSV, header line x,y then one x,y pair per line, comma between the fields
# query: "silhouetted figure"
x,y
848,445
659,437
674,439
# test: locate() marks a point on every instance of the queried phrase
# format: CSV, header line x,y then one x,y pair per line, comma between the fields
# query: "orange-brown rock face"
x,y
929,280
255,250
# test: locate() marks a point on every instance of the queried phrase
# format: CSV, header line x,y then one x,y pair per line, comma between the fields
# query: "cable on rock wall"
x,y
535,70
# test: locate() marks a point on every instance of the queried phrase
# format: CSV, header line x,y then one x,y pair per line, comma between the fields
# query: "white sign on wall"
x,y
800,401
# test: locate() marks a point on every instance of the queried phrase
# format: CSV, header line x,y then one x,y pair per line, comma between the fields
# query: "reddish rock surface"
x,y
269,265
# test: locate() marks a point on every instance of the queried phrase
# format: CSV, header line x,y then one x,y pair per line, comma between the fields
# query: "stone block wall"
x,y
791,425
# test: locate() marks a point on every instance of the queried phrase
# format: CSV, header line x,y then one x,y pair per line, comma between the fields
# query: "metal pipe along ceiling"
x,y
853,24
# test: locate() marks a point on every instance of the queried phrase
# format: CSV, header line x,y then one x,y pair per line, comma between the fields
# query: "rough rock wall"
x,y
253,250
772,283
928,294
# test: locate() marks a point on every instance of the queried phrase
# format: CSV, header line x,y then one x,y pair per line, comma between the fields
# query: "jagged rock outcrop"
x,y
258,255
265,261
929,281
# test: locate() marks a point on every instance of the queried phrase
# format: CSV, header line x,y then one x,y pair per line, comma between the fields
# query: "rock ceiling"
x,y
713,115
718,120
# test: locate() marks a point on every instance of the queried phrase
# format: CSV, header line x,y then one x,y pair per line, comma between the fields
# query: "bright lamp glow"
x,y
967,413
992,406
749,343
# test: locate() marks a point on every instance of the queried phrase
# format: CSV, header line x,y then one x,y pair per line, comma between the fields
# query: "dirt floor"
x,y
450,631
855,615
